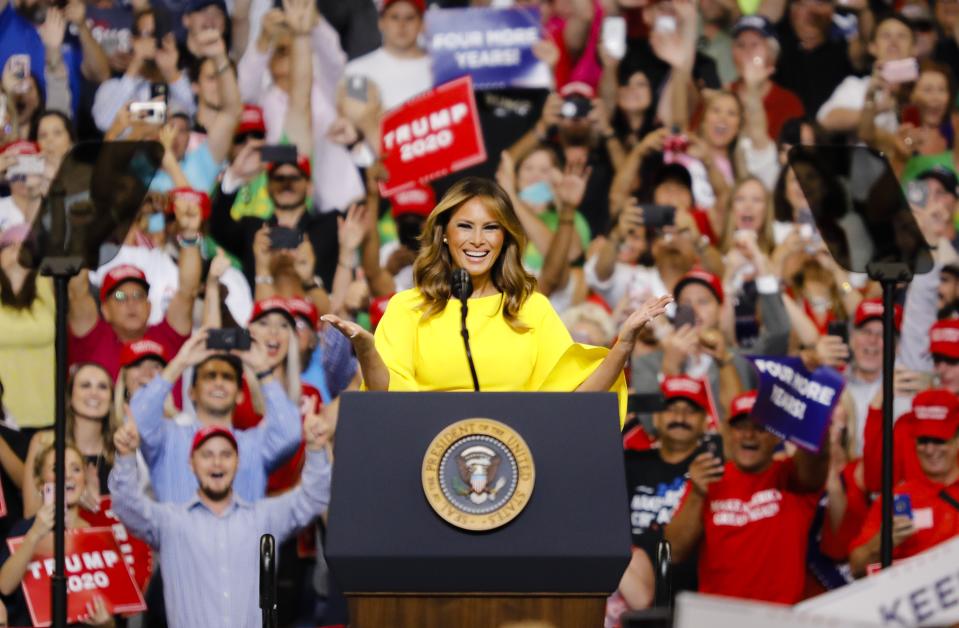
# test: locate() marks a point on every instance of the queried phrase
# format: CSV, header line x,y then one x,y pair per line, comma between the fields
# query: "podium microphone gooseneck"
x,y
462,288
268,581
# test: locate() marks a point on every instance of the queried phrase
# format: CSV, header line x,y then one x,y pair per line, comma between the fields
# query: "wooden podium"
x,y
401,565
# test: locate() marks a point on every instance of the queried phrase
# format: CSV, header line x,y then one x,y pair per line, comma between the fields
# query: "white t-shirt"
x,y
10,214
628,280
161,272
851,94
397,78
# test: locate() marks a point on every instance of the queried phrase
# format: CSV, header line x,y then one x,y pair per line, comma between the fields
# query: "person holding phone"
x,y
36,531
656,479
152,62
23,168
753,504
700,348
874,98
215,392
932,516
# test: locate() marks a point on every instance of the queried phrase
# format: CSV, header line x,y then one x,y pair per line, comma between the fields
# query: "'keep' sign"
x,y
430,136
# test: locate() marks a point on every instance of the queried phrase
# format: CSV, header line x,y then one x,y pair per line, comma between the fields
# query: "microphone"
x,y
462,288
268,580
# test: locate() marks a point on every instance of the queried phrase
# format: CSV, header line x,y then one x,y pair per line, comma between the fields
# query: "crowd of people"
x,y
245,298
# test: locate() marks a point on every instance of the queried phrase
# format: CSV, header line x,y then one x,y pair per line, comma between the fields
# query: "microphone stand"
x,y
268,580
466,342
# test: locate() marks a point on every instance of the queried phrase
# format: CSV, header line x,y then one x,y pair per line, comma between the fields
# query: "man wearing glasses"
x,y
98,334
289,187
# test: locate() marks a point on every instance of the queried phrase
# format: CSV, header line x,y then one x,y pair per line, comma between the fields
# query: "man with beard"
x,y
215,392
289,187
752,506
656,478
19,38
151,62
209,545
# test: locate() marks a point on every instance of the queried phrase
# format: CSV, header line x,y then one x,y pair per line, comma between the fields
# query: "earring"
x,y
444,240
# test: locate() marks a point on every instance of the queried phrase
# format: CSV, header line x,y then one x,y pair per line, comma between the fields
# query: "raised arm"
x,y
570,187
140,514
179,313
298,123
612,366
578,25
82,314
297,508
228,232
220,131
279,431
376,376
96,65
13,569
685,529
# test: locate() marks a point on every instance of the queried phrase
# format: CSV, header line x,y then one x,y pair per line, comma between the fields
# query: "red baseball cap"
x,y
742,404
870,309
122,274
419,199
698,275
189,194
304,308
133,352
685,387
251,120
272,304
935,413
578,88
206,433
944,338
302,164
20,147
419,5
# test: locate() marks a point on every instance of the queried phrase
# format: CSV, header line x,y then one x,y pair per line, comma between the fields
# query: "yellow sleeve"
x,y
561,364
395,339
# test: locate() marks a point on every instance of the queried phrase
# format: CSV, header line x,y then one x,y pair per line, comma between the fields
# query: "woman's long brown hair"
x,y
110,423
433,268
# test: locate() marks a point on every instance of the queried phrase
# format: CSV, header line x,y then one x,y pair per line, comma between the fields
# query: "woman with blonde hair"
x,y
35,531
91,422
474,227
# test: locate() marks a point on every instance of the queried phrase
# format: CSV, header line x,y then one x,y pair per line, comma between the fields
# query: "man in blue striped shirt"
x,y
216,391
208,547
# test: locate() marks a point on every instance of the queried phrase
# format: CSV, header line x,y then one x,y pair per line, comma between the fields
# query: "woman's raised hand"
x,y
361,339
650,309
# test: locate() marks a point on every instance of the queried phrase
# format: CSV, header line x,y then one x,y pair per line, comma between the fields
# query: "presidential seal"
x,y
478,474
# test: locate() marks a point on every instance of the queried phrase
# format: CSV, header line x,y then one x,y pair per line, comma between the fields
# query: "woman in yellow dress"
x,y
518,341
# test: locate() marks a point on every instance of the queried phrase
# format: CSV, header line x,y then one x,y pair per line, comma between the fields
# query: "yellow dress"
x,y
27,358
428,355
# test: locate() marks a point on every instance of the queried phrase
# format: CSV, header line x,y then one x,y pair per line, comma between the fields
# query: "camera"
x,y
575,107
149,112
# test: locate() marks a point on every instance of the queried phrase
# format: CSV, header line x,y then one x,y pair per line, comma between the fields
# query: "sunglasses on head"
x,y
243,138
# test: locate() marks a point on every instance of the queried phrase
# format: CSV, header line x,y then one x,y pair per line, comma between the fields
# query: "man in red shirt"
x,y
944,346
98,335
750,517
933,513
